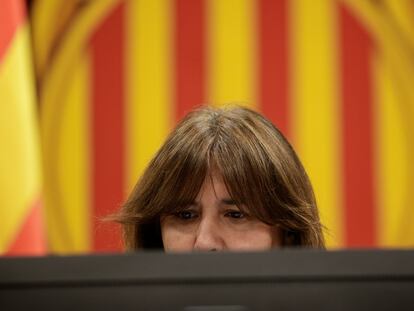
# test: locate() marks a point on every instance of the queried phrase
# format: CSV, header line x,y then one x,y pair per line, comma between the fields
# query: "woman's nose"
x,y
209,236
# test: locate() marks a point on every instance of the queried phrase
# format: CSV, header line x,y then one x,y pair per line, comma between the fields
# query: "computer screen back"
x,y
276,280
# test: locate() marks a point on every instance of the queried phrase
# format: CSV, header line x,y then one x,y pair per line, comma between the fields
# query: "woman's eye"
x,y
235,214
186,215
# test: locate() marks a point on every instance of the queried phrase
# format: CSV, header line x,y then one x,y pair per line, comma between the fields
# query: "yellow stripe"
x,y
53,92
149,90
401,12
397,50
395,212
231,33
396,56
20,182
315,119
69,225
46,13
394,68
67,55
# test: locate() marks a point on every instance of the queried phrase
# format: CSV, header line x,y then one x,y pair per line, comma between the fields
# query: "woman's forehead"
x,y
213,183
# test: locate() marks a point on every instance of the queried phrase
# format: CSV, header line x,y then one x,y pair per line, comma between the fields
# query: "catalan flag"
x,y
21,214
336,76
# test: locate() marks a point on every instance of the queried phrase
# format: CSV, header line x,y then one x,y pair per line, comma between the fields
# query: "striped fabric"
x,y
335,75
21,213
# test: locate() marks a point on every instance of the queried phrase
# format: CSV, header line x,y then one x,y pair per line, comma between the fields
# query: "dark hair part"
x,y
259,167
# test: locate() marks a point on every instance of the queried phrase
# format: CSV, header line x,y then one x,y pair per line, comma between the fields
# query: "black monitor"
x,y
277,280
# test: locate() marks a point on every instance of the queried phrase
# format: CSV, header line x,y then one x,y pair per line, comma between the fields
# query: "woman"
x,y
225,179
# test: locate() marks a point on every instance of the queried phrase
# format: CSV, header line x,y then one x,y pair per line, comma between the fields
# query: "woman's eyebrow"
x,y
192,203
185,204
228,201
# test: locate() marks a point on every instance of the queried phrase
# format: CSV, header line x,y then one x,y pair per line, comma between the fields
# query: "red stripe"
x,y
12,15
189,55
31,238
274,60
108,127
358,136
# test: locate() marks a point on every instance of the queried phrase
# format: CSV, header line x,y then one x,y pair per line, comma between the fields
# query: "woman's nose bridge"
x,y
208,225
208,235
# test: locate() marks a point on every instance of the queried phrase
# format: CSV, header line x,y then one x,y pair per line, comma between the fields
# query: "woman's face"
x,y
214,222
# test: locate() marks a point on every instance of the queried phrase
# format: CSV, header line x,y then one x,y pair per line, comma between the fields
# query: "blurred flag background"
x,y
22,229
104,81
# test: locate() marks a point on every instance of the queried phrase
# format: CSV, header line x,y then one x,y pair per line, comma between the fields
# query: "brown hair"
x,y
259,167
